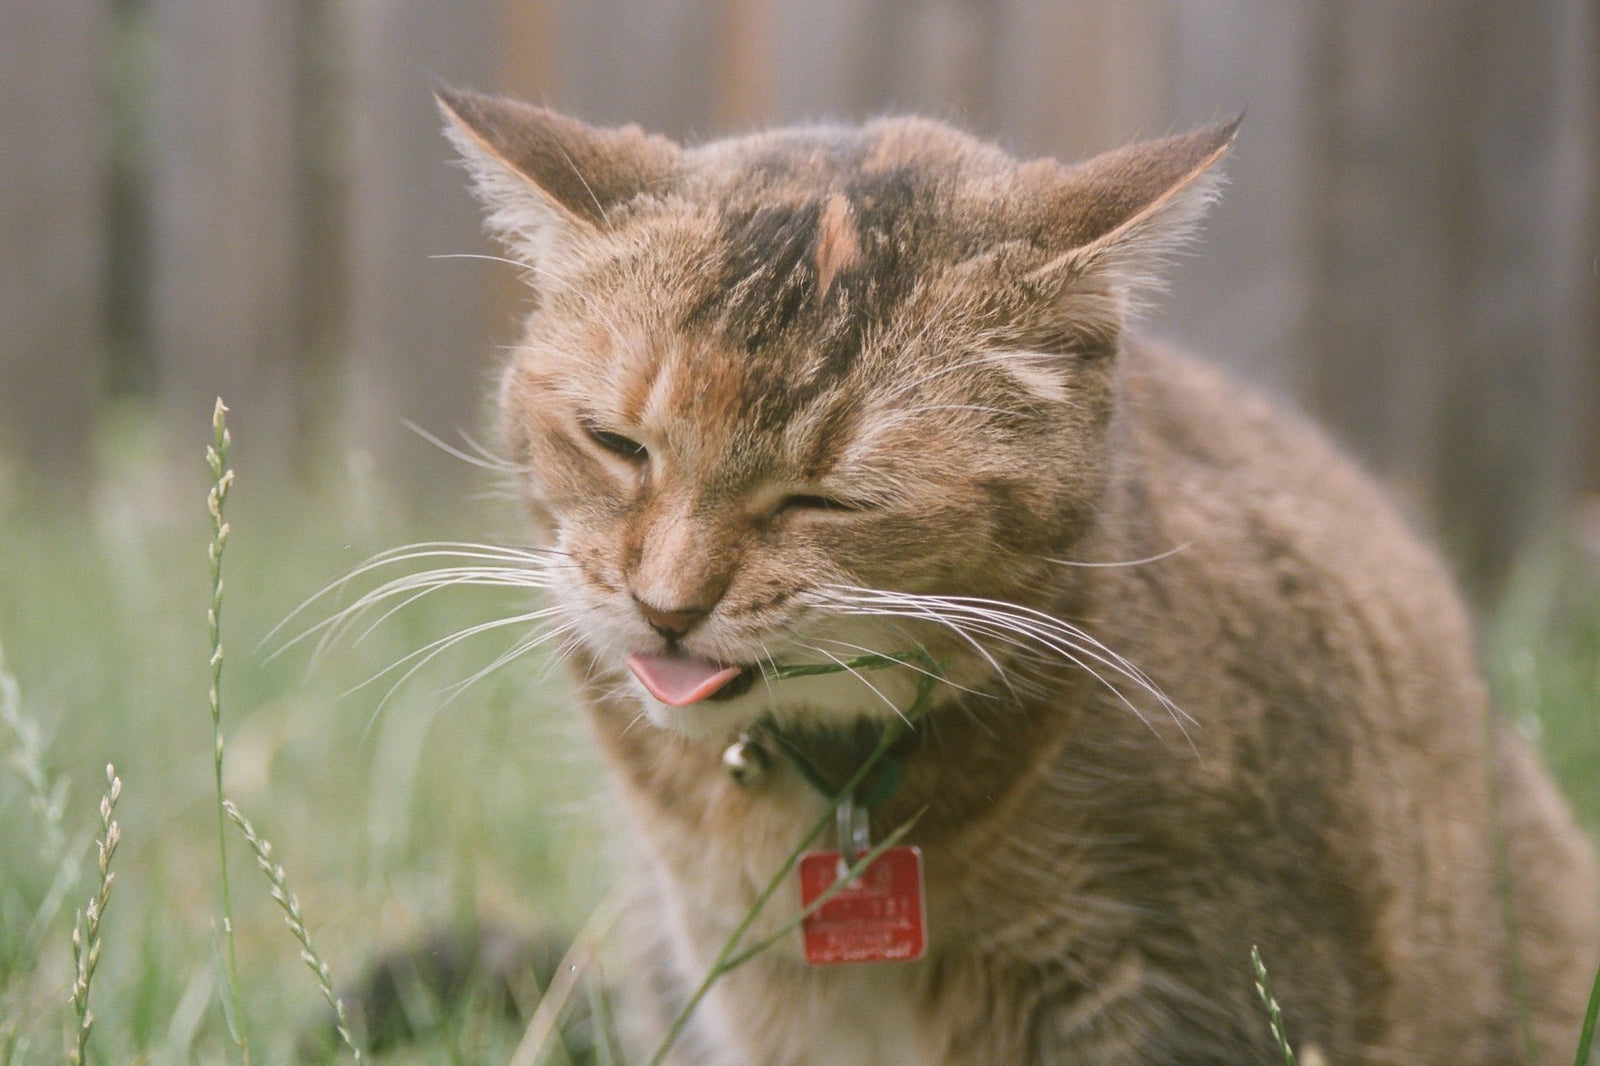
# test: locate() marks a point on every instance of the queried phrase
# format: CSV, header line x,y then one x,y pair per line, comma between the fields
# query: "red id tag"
x,y
876,918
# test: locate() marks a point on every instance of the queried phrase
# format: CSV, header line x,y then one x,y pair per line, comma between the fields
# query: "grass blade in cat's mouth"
x,y
679,680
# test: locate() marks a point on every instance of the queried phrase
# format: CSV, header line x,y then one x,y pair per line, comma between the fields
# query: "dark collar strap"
x,y
877,788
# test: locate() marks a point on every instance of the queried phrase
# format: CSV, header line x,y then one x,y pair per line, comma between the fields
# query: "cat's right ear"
x,y
546,179
1119,215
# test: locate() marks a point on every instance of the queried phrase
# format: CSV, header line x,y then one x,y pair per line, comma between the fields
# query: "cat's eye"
x,y
813,502
616,443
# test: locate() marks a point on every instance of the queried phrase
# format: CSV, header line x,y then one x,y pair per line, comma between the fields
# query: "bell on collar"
x,y
746,760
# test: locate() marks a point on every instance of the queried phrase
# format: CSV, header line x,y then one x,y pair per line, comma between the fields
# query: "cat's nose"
x,y
672,624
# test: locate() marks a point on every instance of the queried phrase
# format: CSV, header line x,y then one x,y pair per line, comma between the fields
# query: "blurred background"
x,y
206,197
251,198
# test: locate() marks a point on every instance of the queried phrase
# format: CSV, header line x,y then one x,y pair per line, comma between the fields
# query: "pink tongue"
x,y
678,680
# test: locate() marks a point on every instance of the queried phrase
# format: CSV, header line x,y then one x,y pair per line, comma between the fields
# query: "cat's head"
x,y
812,393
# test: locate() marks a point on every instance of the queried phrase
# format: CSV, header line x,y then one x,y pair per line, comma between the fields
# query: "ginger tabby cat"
x,y
815,393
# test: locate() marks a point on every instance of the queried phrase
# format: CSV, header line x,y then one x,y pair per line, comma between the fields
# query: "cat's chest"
x,y
867,1014
778,1009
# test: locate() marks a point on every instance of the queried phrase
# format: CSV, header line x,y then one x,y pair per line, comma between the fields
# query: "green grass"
x,y
1543,657
390,822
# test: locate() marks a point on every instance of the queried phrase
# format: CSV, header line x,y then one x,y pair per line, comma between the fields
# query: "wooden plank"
x,y
421,347
1077,78
1390,247
531,64
1578,135
321,237
644,61
933,58
821,68
52,236
1509,459
743,73
1240,295
223,184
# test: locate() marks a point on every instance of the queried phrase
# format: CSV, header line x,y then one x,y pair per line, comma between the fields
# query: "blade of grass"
x,y
893,730
1503,889
47,798
530,1050
851,873
86,941
291,915
10,1041
221,482
1586,1036
604,1039
864,662
1274,1015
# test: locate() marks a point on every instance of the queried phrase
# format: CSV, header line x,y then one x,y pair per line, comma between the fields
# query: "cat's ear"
x,y
546,178
1116,217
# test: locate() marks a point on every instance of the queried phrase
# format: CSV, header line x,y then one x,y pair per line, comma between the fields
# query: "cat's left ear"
x,y
1116,217
547,179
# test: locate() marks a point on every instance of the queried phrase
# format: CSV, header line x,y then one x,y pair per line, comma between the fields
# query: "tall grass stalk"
x,y
1586,1035
1503,889
27,758
291,915
734,953
547,1015
606,1052
1270,1002
86,930
10,1041
221,482
47,798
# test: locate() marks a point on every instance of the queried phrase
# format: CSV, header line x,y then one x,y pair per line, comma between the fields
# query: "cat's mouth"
x,y
680,680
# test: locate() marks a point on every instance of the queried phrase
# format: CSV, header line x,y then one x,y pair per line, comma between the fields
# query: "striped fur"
x,y
837,390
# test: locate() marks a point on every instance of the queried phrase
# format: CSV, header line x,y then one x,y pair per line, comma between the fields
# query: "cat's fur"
x,y
884,398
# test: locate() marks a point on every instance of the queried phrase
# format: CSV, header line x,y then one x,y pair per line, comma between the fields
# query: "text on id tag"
x,y
876,918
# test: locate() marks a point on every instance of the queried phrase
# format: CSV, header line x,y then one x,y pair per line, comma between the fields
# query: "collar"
x,y
827,761
868,756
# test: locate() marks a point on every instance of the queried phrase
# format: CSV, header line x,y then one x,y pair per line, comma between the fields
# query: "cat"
x,y
816,394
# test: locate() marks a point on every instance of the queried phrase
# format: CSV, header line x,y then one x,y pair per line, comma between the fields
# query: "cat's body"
x,y
812,394
1096,883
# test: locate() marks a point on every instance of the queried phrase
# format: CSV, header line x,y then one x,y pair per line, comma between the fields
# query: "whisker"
x,y
520,575
939,372
1003,617
1075,656
859,676
484,459
538,559
862,649
409,589
977,408
471,564
635,720
475,255
765,662
544,276
923,612
1016,625
562,653
434,648
1169,553
510,655
486,452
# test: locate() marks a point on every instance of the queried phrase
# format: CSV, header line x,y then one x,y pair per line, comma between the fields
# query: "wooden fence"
x,y
247,197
